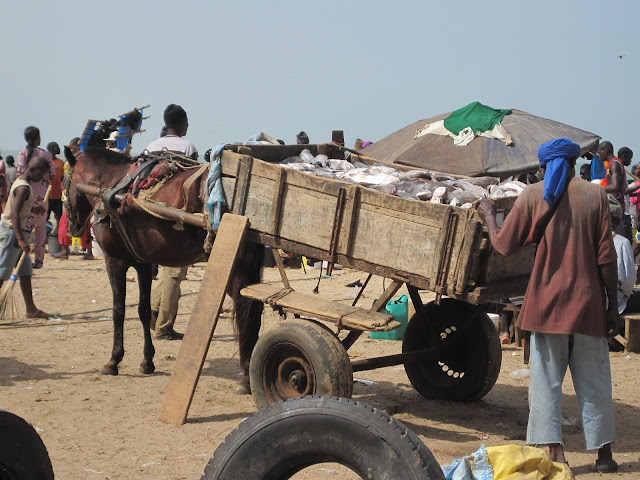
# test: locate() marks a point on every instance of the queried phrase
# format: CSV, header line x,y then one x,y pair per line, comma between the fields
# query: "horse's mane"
x,y
106,155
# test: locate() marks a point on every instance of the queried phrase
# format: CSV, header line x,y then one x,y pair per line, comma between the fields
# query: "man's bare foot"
x,y
38,314
556,453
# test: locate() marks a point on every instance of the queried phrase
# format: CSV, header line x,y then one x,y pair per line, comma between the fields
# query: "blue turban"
x,y
553,156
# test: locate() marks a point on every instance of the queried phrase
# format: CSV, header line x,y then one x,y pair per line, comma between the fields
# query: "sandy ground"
x,y
101,427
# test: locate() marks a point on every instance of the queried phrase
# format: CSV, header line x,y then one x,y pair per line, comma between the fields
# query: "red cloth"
x,y
64,238
56,179
565,293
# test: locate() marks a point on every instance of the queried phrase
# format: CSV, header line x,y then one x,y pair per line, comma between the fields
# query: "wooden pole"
x,y
167,213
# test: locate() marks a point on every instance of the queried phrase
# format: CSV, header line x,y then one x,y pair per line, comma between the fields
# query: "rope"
x,y
272,299
145,209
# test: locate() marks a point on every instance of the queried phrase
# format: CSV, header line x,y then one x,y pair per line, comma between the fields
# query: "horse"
x,y
155,241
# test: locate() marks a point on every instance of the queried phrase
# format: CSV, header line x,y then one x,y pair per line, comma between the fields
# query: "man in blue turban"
x,y
571,301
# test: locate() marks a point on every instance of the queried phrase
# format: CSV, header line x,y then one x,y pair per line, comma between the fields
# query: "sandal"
x,y
37,264
60,256
88,256
38,314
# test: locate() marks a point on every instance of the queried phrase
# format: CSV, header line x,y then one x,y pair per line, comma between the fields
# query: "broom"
x,y
9,308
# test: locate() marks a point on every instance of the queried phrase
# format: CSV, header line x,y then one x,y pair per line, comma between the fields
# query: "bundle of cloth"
x,y
414,184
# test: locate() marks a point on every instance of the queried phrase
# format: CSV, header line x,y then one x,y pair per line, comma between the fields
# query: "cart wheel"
x,y
467,371
286,438
299,358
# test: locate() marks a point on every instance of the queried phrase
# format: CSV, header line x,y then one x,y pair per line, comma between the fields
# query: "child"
x,y
13,236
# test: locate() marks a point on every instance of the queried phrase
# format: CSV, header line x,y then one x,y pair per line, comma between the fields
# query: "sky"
x,y
368,68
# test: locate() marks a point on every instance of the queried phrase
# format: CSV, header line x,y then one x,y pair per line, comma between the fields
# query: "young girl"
x,y
32,137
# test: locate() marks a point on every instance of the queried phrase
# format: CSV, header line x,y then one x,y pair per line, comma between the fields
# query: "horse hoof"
x,y
243,389
147,369
109,370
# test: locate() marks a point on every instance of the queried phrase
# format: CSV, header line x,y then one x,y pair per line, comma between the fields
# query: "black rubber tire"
x,y
474,360
23,456
296,359
284,438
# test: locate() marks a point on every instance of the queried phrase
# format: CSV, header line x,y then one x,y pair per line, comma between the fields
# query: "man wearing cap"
x,y
571,301
166,294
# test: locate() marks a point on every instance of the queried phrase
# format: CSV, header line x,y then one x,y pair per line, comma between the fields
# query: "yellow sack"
x,y
514,462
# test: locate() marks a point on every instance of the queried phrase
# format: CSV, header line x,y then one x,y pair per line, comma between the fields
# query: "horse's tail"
x,y
248,312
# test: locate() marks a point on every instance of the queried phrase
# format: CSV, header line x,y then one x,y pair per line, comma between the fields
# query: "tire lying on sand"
x,y
23,455
289,436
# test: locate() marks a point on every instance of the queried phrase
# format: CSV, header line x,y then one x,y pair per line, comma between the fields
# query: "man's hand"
x,y
614,322
487,209
24,245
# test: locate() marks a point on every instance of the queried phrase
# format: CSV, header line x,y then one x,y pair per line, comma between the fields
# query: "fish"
x,y
461,196
483,182
340,165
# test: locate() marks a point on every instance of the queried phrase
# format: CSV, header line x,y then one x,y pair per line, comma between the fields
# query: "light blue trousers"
x,y
588,359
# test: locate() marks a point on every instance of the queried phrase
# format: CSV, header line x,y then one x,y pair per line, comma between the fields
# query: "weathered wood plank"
x,y
242,185
276,203
632,332
321,309
204,317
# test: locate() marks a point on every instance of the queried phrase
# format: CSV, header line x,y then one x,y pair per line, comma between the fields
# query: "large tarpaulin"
x,y
482,156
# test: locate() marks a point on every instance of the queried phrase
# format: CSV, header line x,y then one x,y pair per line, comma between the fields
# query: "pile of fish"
x,y
414,184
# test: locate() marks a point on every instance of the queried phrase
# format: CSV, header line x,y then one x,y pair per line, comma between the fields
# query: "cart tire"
x,y
287,437
296,359
23,455
469,370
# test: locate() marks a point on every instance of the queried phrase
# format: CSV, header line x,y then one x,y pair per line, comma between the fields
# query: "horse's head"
x,y
97,167
78,206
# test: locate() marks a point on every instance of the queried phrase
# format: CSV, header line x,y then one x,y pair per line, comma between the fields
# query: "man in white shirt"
x,y
175,119
166,294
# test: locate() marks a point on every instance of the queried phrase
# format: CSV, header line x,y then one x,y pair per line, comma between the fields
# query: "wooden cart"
x,y
450,349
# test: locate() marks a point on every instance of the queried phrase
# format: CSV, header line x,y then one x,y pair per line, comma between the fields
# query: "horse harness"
x,y
142,170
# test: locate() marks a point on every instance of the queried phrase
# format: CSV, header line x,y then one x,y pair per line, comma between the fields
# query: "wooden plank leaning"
x,y
204,318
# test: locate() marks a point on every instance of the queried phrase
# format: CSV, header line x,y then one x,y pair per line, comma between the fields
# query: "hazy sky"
x,y
365,67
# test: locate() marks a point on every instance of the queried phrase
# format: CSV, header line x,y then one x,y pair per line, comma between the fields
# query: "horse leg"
x,y
144,312
116,269
248,312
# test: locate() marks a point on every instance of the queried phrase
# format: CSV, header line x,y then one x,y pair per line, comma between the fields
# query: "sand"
x,y
102,427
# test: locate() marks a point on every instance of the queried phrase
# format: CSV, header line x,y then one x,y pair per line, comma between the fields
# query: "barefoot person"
x,y
32,136
571,300
13,234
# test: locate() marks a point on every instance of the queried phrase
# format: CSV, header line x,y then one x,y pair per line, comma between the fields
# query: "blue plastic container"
x,y
399,308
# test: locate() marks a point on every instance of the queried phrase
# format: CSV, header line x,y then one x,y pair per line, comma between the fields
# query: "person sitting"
x,y
14,237
625,261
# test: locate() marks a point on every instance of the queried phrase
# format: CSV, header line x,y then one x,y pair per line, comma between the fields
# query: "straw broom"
x,y
9,308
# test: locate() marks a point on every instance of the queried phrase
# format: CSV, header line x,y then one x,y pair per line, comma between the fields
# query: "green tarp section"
x,y
479,117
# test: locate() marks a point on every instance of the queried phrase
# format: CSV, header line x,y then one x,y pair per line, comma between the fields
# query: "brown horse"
x,y
156,241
